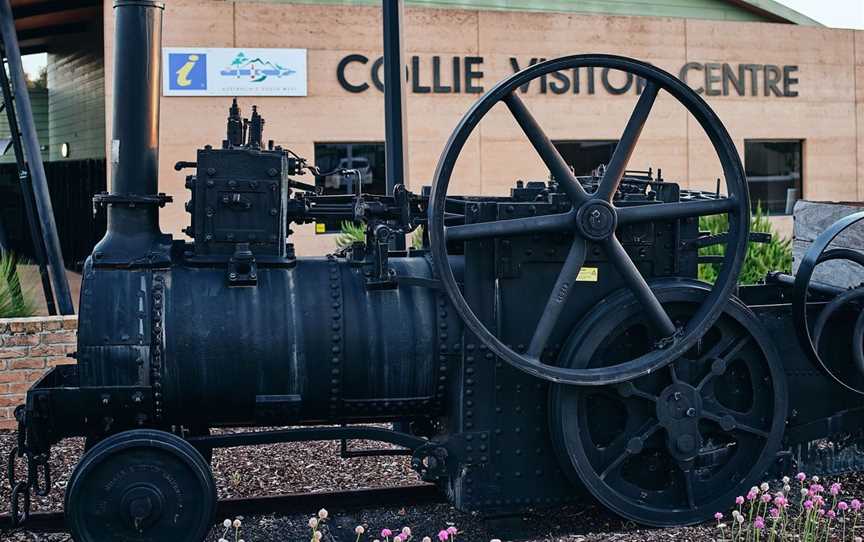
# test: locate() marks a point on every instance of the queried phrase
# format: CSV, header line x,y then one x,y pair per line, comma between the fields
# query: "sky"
x,y
833,13
33,63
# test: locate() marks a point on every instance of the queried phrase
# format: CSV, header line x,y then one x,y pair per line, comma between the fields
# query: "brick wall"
x,y
28,348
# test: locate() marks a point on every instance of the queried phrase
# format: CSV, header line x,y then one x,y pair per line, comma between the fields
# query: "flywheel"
x,y
141,485
594,220
671,447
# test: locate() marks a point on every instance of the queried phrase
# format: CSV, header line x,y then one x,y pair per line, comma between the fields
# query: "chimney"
x,y
133,203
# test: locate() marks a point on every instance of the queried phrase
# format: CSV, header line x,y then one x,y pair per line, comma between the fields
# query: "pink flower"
x,y
842,506
832,514
739,500
801,476
821,512
718,516
856,504
766,498
779,501
452,530
835,488
751,496
774,513
759,522
443,536
385,533
808,504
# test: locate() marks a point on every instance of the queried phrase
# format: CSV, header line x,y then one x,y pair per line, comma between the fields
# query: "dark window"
x,y
585,155
773,169
366,158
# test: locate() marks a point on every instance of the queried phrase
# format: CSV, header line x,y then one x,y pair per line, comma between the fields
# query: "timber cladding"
x,y
28,348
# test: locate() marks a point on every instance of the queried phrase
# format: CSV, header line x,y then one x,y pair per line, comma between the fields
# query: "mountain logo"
x,y
255,69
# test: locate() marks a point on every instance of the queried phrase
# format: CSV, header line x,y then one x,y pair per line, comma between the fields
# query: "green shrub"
x,y
13,302
760,258
417,238
356,233
351,233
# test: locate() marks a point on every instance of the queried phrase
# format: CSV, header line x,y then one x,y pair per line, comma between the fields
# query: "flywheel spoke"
x,y
632,446
558,297
689,484
544,147
624,149
516,226
672,211
730,420
654,311
719,365
629,389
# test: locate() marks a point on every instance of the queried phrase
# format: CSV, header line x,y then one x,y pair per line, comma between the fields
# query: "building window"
x,y
367,159
585,155
773,169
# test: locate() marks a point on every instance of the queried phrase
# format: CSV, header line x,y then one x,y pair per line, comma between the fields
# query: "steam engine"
x,y
660,395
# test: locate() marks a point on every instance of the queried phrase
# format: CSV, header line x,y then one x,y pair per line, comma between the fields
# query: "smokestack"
x,y
133,215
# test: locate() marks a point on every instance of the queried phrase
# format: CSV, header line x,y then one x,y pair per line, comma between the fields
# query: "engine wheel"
x,y
141,485
675,446
848,375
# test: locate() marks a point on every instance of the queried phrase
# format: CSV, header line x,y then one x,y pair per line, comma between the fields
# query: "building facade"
x,y
791,95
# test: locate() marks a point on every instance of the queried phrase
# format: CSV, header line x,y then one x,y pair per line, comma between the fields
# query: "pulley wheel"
x,y
141,485
850,376
675,446
594,218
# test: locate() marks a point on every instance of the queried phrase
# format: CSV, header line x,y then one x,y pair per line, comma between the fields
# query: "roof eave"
x,y
775,12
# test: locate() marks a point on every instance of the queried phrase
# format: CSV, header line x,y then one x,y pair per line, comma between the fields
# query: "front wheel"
x,y
141,485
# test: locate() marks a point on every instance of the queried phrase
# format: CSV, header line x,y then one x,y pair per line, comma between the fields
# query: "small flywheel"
x,y
141,485
671,447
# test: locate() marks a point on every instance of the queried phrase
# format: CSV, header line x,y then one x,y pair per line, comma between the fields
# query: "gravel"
x,y
297,467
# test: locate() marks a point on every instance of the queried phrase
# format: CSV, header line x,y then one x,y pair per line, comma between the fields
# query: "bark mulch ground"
x,y
283,468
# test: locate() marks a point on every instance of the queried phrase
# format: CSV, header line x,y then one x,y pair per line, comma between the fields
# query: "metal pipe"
x,y
133,223
35,167
395,139
823,288
27,194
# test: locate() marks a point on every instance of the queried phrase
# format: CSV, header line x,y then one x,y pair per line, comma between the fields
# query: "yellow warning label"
x,y
587,274
320,228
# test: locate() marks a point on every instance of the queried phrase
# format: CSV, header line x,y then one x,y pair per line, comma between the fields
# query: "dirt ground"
x,y
297,467
31,285
282,468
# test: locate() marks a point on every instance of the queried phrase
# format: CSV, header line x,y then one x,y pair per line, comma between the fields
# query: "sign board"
x,y
467,75
191,71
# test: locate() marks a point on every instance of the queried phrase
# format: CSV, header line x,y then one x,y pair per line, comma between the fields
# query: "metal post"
x,y
34,157
396,166
27,192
